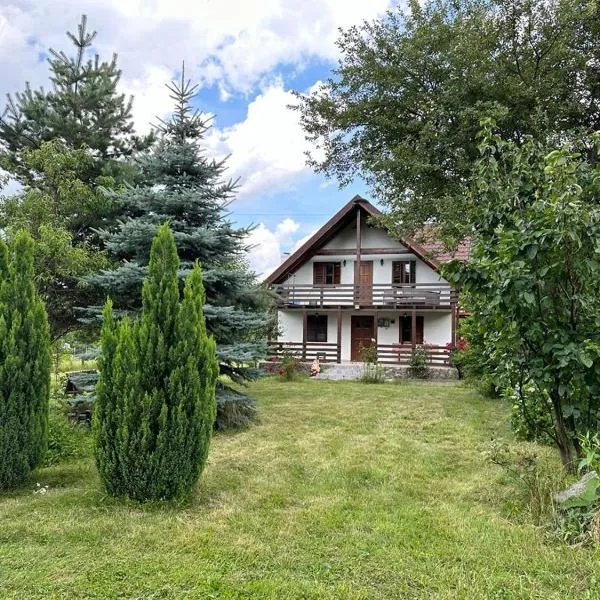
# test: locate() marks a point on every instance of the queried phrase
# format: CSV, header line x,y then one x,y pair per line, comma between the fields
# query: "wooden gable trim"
x,y
320,238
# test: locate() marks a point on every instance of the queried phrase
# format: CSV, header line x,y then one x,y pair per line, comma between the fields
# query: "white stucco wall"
x,y
437,328
371,238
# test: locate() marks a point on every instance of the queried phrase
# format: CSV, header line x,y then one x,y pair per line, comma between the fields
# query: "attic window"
x,y
326,273
404,271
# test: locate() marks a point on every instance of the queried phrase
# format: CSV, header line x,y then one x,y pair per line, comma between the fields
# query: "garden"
x,y
343,490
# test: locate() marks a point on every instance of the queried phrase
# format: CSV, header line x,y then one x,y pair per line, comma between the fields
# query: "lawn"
x,y
345,490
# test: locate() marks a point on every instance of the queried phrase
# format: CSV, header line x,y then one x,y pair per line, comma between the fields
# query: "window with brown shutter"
x,y
404,271
316,328
326,273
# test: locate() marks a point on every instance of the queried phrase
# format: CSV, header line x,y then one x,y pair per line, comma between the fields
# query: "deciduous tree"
x,y
533,281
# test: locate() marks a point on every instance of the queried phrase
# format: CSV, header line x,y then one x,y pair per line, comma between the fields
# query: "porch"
x,y
341,336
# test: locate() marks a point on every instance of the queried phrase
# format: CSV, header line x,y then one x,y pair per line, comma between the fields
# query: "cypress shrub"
x,y
25,362
155,404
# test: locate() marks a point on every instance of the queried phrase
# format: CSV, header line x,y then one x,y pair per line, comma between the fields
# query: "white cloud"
x,y
267,149
229,43
266,252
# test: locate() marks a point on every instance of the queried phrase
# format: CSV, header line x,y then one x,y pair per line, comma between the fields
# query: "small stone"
x,y
576,489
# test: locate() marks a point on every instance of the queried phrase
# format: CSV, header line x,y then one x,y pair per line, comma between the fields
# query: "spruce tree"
x,y
155,404
24,365
183,186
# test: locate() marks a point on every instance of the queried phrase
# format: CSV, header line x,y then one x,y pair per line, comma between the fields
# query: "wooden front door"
x,y
362,332
365,283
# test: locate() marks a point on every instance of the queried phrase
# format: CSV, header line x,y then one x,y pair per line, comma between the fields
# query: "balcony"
x,y
378,295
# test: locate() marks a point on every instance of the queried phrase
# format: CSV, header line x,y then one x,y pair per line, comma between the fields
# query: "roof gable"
x,y
338,222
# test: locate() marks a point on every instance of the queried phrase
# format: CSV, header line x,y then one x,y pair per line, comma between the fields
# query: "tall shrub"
x,y
155,405
24,365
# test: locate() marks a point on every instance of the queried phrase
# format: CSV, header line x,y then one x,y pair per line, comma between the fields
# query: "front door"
x,y
362,332
365,283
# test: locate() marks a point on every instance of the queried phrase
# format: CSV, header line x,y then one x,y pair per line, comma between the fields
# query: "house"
x,y
351,286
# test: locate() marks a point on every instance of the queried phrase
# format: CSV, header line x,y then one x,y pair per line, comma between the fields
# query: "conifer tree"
x,y
24,365
184,187
155,404
83,109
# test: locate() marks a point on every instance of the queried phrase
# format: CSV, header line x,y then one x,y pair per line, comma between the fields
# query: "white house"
x,y
351,285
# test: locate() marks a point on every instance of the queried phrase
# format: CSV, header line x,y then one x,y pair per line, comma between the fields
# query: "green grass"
x,y
344,490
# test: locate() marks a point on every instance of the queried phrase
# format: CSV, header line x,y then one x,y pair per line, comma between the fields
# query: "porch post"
x,y
454,311
413,327
357,264
339,334
376,330
304,333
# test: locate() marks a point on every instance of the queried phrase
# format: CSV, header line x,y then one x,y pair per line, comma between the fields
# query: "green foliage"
x,y
234,409
287,366
24,365
404,104
66,440
535,480
590,449
419,362
531,413
372,371
185,187
533,281
82,108
155,404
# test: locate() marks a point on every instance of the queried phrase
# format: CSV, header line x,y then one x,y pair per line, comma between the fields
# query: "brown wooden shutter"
x,y
337,272
397,271
413,271
318,273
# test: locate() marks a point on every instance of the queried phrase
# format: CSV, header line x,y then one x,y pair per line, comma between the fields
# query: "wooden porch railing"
x,y
400,354
383,295
392,354
328,352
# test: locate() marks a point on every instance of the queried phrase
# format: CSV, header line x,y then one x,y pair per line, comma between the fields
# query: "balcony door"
x,y
365,283
362,332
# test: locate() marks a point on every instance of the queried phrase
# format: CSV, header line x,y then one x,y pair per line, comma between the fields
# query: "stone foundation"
x,y
391,372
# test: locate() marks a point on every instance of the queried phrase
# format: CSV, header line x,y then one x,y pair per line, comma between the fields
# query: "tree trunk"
x,y
568,455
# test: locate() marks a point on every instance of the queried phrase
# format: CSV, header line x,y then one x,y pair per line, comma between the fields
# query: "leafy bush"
x,y
285,365
372,371
66,440
419,362
578,518
529,419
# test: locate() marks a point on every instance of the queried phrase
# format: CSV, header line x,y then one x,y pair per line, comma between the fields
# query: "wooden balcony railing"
x,y
392,354
384,295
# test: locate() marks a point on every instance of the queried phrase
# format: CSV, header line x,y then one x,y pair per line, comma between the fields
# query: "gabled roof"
x,y
340,220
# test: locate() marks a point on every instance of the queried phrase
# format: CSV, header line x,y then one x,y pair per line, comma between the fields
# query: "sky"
x,y
247,57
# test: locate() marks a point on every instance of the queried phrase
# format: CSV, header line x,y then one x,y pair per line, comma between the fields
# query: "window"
x,y
316,328
326,273
404,271
406,329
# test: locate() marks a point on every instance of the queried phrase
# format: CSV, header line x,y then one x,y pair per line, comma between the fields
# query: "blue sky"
x,y
248,57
